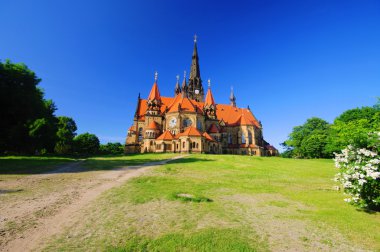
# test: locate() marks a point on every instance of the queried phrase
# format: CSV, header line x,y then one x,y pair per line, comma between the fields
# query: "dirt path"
x,y
28,222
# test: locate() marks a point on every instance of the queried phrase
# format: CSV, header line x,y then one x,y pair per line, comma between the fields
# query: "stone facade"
x,y
192,123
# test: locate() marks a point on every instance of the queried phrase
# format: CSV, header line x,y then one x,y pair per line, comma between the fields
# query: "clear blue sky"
x,y
287,60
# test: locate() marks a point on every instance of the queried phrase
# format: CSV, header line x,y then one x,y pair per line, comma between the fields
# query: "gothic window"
x,y
194,145
183,145
249,137
242,138
187,122
199,125
140,134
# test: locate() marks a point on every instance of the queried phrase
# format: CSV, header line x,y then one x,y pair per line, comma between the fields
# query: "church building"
x,y
189,122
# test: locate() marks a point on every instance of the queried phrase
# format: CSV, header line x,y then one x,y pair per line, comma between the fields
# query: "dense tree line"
x,y
28,124
316,138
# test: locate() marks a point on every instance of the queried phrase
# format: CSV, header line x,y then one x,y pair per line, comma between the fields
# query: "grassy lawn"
x,y
224,203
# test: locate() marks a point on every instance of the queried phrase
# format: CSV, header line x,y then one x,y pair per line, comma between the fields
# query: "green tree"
x,y
352,127
66,128
111,148
308,140
27,120
86,144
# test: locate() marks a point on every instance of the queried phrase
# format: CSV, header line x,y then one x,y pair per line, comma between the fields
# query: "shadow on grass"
x,y
189,160
49,165
109,164
31,165
368,210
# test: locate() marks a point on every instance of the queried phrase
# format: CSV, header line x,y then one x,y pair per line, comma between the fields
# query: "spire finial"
x,y
177,77
155,76
184,74
195,38
209,83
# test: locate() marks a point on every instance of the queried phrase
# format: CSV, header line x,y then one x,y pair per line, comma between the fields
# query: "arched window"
x,y
194,145
183,145
197,146
242,138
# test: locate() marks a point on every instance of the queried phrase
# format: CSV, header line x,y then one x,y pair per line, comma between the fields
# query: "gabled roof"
x,y
213,129
208,137
232,115
154,93
153,126
209,98
167,135
190,131
184,104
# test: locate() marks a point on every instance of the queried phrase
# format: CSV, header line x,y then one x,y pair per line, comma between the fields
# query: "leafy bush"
x,y
360,174
112,148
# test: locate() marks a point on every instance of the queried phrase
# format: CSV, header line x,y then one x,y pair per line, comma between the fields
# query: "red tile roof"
x,y
213,129
208,137
190,131
229,114
132,128
154,93
167,135
153,126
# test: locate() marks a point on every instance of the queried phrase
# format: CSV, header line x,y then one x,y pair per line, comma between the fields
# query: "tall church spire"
x,y
196,91
154,98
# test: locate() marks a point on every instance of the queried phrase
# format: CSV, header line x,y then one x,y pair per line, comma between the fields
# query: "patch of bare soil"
x,y
283,223
49,202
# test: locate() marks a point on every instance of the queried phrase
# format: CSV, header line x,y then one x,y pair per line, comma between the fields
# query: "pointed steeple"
x,y
177,88
209,97
154,92
184,85
154,98
209,107
232,98
195,82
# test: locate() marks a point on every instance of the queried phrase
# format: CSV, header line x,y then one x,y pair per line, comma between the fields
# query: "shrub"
x,y
360,174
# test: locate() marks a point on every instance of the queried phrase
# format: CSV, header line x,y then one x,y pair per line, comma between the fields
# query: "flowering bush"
x,y
360,174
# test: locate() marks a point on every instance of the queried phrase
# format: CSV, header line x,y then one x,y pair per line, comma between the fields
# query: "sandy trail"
x,y
27,223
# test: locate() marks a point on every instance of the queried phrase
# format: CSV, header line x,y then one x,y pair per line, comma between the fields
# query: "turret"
x,y
177,89
232,98
209,107
184,85
154,98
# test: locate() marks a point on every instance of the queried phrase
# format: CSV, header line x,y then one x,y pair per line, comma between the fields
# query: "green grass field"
x,y
223,203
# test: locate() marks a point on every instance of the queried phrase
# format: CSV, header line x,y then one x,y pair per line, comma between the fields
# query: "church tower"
x,y
195,88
